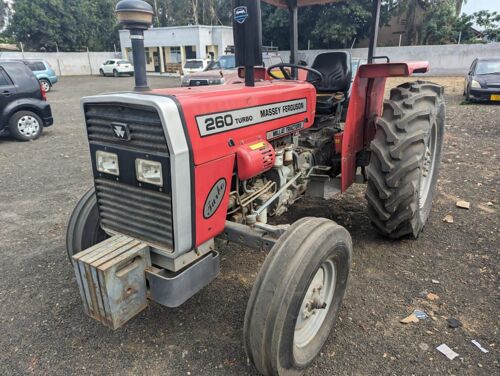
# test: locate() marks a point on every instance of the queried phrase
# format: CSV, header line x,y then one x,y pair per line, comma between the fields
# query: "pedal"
x,y
111,279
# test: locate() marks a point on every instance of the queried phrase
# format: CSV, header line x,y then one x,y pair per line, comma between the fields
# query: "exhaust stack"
x,y
247,31
136,16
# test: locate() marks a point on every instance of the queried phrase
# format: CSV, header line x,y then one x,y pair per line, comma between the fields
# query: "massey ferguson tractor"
x,y
176,169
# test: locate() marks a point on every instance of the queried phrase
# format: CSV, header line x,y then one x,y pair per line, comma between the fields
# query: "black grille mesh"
x,y
141,213
146,131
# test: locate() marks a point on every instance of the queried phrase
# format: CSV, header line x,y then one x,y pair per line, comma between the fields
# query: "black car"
x,y
483,81
24,110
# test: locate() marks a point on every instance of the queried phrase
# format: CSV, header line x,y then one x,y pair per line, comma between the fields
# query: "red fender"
x,y
365,105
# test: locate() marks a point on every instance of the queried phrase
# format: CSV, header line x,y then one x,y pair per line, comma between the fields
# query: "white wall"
x,y
197,35
446,60
67,63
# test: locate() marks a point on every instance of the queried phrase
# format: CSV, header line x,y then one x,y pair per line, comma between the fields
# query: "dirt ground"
x,y
44,330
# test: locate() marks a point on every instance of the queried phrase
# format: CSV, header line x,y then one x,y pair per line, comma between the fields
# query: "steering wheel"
x,y
316,81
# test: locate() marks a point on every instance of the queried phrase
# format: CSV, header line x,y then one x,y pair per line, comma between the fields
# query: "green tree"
x,y
489,22
72,24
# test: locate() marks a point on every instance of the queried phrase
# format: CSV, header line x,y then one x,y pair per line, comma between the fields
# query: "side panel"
x,y
213,184
222,118
364,107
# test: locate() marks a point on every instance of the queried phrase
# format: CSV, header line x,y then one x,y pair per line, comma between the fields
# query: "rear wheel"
x,y
406,154
84,229
25,126
297,296
115,73
45,85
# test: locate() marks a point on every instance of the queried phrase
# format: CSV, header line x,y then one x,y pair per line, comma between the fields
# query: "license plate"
x,y
495,97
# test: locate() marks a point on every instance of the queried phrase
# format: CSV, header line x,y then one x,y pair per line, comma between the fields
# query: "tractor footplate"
x,y
111,279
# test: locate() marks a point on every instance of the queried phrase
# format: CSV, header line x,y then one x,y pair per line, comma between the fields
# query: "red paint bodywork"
x,y
215,156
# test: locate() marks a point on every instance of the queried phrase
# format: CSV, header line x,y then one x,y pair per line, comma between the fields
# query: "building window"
x,y
175,55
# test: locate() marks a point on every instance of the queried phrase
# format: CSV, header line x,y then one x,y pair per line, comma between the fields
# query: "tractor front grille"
x,y
125,205
137,212
144,124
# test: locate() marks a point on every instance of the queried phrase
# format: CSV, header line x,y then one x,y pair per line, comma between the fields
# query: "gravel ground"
x,y
44,331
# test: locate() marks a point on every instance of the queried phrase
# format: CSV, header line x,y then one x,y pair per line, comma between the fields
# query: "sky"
x,y
475,5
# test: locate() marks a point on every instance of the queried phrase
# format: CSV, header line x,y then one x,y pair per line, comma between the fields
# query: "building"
x,y
168,48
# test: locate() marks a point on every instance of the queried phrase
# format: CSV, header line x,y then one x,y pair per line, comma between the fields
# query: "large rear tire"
x,y
405,159
297,296
84,229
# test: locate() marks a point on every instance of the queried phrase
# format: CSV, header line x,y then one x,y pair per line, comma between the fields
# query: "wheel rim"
x,y
315,305
46,86
28,126
427,171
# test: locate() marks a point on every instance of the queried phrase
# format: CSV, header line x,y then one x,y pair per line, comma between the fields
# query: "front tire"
x,y
101,72
25,126
84,229
297,296
405,159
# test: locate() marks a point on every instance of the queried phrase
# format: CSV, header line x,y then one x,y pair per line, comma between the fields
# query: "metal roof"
x,y
300,3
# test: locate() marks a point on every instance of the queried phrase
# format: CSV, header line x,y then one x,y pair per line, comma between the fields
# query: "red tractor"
x,y
175,169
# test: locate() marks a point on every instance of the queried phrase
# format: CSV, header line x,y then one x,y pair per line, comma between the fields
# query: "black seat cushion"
x,y
336,68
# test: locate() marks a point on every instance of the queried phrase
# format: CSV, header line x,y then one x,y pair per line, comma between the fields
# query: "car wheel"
x,y
45,85
101,72
115,73
25,126
467,95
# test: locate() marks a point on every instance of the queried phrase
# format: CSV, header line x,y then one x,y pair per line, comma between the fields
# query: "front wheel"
x,y
25,126
101,72
405,159
297,296
84,229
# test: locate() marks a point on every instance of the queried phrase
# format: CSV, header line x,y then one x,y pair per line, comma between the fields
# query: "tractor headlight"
x,y
107,162
185,80
475,84
149,172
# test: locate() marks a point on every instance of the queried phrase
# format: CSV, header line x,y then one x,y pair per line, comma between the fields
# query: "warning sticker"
x,y
244,117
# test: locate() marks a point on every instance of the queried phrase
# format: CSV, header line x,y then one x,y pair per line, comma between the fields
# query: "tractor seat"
x,y
336,69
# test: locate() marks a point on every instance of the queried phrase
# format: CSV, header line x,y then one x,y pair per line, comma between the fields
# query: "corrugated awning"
x,y
300,3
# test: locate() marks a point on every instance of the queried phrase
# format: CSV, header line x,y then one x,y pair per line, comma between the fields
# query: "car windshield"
x,y
225,62
488,67
194,64
122,62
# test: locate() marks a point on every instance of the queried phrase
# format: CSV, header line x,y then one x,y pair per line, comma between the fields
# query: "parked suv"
x,y
116,67
44,72
24,110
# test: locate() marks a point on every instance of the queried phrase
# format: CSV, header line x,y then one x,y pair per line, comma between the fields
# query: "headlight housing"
x,y
185,80
149,172
475,84
107,162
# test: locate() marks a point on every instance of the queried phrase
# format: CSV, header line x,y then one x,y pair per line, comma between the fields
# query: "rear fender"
x,y
365,105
